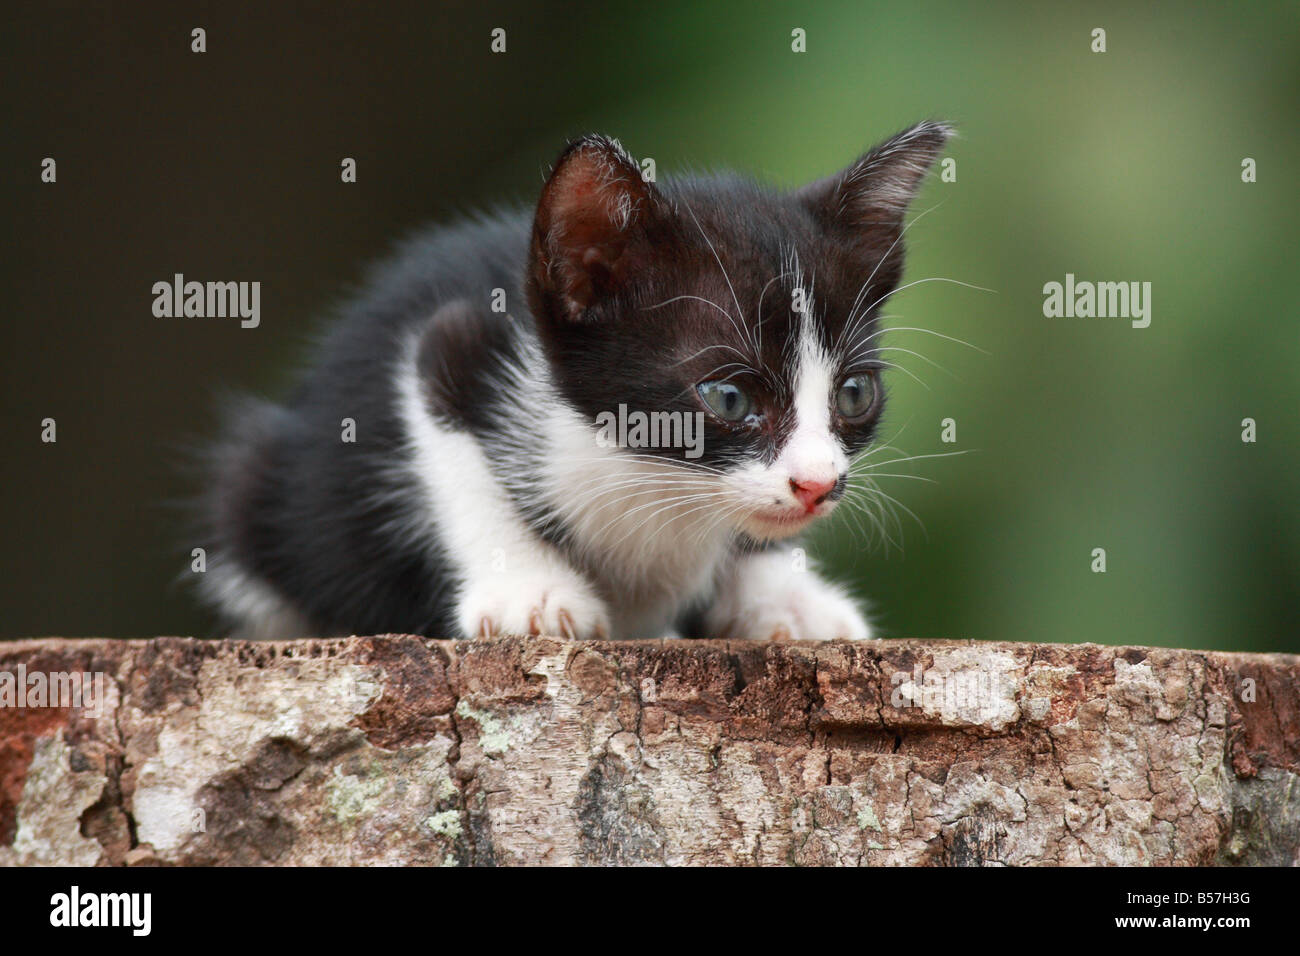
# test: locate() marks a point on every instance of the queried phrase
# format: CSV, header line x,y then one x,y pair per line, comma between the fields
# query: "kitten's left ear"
x,y
876,190
596,230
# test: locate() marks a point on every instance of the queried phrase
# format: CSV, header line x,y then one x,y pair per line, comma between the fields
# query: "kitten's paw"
x,y
552,601
773,604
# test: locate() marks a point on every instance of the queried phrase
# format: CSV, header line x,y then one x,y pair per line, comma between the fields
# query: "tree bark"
x,y
399,750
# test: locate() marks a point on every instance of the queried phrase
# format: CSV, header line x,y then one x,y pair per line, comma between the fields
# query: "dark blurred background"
x,y
1084,433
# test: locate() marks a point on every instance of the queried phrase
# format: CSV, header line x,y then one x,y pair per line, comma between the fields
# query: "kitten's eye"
x,y
725,400
856,396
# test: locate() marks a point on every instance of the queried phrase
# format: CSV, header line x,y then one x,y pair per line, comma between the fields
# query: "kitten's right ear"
x,y
876,190
593,229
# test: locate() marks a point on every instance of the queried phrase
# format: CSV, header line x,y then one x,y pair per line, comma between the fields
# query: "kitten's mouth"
x,y
785,521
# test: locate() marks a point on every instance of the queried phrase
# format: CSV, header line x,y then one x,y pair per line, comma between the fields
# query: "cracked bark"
x,y
400,750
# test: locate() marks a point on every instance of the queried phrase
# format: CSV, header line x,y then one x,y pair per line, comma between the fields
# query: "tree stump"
x,y
400,750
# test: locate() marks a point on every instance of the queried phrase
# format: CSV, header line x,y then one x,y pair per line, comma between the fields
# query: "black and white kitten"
x,y
447,468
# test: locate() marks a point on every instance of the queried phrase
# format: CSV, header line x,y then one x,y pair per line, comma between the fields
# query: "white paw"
x,y
553,601
770,602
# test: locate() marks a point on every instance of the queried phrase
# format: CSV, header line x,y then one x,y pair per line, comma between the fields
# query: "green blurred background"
x,y
1084,433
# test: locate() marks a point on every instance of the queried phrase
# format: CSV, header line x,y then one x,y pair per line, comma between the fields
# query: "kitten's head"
x,y
723,302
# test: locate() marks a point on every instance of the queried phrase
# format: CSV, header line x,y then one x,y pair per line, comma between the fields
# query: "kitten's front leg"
x,y
509,580
772,596
533,592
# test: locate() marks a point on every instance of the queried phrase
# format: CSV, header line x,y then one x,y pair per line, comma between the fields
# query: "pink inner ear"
x,y
587,230
589,274
585,212
594,213
593,255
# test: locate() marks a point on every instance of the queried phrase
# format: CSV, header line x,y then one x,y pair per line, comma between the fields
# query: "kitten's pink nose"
x,y
811,491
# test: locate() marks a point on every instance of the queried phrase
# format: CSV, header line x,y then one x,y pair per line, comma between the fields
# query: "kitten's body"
x,y
476,498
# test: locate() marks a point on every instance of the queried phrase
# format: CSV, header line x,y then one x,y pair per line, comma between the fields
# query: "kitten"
x,y
480,492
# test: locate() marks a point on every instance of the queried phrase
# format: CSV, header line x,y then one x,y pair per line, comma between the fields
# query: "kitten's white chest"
x,y
651,533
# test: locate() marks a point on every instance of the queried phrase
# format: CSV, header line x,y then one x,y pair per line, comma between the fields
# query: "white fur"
x,y
655,531
812,453
772,596
510,581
